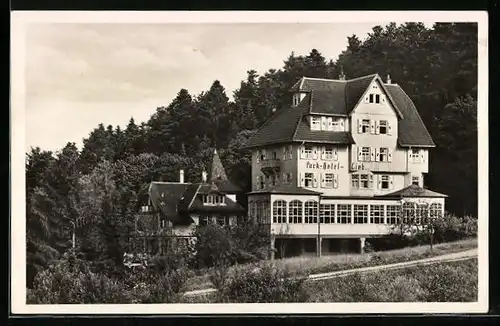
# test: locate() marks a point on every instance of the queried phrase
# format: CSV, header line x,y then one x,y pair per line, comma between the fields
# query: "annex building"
x,y
343,163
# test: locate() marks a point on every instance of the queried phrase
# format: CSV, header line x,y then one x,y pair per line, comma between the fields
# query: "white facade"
x,y
347,177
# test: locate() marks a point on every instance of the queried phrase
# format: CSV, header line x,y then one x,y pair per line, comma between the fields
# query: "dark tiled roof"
x,y
231,207
187,197
286,191
226,186
414,191
411,129
337,98
166,196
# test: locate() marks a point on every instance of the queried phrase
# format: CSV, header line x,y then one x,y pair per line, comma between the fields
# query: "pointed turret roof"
x,y
217,175
217,171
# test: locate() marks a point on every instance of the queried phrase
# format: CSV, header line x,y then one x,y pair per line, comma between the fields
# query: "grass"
x,y
440,282
315,265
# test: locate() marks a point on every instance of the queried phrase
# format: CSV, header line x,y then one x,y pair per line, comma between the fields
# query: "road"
x,y
456,256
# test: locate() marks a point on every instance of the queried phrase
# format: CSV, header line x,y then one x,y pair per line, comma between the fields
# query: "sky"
x,y
80,75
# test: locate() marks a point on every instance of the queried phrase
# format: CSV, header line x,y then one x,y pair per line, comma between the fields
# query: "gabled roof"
x,y
230,207
414,191
338,98
411,129
288,126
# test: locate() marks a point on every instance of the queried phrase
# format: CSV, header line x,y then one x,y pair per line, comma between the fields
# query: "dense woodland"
x,y
96,188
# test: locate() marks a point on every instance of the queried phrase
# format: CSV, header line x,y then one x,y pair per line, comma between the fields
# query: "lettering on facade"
x,y
324,165
358,166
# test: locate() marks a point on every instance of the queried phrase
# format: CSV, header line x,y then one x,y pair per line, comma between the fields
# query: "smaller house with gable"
x,y
170,211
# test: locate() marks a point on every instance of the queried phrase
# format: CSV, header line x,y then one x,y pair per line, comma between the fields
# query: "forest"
x,y
95,189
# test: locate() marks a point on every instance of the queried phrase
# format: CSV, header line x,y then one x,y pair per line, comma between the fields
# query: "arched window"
x,y
311,211
279,211
436,210
295,211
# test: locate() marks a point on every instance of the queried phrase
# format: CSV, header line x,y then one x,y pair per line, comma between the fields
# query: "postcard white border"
x,y
18,227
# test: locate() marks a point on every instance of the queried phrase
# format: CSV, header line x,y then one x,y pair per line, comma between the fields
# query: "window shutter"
x,y
421,156
360,157
341,124
301,180
258,157
377,154
335,181
302,152
323,150
377,127
379,182
389,155
335,154
257,183
391,182
372,154
360,129
409,155
372,126
389,128
315,152
424,156
370,178
284,153
315,181
322,178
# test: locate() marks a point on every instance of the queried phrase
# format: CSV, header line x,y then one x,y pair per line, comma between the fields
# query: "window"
x,y
360,214
287,178
204,220
287,153
365,126
308,179
335,125
408,212
344,213
311,211
274,180
355,181
377,98
415,155
262,182
145,209
307,152
384,182
422,213
222,220
435,210
262,155
214,199
327,213
328,154
316,123
377,214
365,154
295,211
371,98
279,211
383,127
383,151
415,180
328,180
361,181
296,99
266,212
275,155
392,214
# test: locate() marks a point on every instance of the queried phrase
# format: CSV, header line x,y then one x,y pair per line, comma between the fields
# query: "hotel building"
x,y
343,163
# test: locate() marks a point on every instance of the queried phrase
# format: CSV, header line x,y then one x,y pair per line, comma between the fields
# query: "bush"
x,y
452,228
71,280
264,284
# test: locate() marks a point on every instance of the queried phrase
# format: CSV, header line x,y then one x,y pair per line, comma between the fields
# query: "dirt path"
x,y
462,255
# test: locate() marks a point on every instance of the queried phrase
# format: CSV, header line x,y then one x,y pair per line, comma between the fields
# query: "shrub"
x,y
264,284
452,228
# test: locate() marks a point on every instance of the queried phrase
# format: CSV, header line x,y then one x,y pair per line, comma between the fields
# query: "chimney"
x,y
181,176
388,79
204,177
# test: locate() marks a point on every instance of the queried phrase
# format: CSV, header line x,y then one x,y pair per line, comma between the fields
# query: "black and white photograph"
x,y
266,162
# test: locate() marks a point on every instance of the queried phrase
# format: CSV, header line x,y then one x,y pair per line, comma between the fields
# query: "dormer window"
x,y
315,123
145,209
214,199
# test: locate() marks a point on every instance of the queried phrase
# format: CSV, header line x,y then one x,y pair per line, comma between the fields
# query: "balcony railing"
x,y
271,166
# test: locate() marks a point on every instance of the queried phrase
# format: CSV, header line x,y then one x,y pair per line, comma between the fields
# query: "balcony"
x,y
270,166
